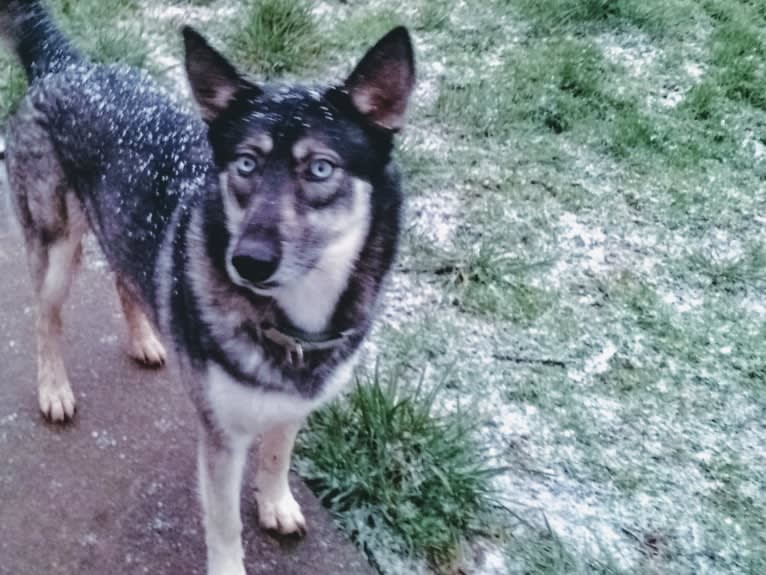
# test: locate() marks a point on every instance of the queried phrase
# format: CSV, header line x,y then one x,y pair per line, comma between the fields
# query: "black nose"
x,y
255,261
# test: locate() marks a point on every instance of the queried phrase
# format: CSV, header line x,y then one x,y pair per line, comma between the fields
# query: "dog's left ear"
x,y
381,84
214,81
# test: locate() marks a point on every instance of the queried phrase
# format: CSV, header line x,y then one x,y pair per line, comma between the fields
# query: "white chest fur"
x,y
249,411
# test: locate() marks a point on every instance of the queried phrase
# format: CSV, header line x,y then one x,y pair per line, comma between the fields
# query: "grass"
x,y
491,283
543,553
13,84
383,460
557,87
275,37
107,31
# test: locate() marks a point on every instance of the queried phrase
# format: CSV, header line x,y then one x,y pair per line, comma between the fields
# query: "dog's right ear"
x,y
381,84
213,80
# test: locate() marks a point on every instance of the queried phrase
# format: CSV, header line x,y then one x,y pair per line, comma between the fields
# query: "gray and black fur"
x,y
279,214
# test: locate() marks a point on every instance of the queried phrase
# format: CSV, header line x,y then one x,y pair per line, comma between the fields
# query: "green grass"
x,y
653,16
558,86
732,274
274,37
739,55
543,553
107,31
13,85
383,460
491,283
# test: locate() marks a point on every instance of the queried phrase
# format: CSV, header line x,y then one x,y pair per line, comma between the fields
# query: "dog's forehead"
x,y
291,105
282,117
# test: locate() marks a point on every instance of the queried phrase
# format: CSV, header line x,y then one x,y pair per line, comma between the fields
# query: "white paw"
x,y
148,350
56,402
226,567
281,514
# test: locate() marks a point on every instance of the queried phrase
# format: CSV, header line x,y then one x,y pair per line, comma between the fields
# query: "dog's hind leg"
x,y
277,508
53,224
144,345
221,463
55,265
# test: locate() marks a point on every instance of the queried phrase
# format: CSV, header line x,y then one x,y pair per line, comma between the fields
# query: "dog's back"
x,y
129,154
127,151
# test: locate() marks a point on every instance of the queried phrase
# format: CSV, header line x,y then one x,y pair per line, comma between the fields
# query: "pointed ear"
x,y
382,82
214,81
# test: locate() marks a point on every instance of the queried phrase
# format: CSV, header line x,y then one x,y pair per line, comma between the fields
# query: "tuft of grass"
x,y
106,30
275,37
733,274
489,282
383,461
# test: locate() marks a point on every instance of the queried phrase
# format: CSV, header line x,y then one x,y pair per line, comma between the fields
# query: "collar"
x,y
296,341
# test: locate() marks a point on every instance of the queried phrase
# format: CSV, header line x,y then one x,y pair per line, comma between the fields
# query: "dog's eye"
x,y
246,164
320,169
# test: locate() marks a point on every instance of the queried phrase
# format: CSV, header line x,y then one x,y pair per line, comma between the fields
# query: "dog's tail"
x,y
40,46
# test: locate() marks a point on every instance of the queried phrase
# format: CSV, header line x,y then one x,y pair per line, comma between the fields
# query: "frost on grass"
x,y
646,64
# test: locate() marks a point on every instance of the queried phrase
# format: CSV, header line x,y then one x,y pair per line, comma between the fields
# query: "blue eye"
x,y
246,164
320,169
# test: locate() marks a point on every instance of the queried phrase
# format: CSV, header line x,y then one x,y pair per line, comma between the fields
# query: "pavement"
x,y
115,491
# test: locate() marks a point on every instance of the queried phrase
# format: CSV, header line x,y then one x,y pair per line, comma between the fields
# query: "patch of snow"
x,y
578,513
682,302
154,11
599,363
753,142
594,365
582,243
672,98
634,52
435,217
694,70
755,306
404,296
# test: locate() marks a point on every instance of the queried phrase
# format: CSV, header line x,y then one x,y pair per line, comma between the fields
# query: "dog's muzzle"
x,y
255,261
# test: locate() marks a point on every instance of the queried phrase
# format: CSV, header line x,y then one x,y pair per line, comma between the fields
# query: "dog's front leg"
x,y
277,508
221,465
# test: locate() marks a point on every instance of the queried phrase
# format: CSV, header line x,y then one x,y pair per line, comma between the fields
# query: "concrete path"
x,y
114,492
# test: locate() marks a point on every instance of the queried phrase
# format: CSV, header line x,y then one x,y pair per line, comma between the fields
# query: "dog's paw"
x,y
282,515
56,402
225,559
147,350
226,567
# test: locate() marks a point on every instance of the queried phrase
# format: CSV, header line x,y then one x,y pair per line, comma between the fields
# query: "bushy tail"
x,y
40,46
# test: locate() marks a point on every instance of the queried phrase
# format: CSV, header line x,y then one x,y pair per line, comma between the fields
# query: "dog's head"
x,y
298,165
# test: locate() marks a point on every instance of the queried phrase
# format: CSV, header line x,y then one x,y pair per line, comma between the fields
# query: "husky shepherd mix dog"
x,y
256,241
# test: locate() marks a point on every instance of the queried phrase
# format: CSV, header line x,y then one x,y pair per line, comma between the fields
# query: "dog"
x,y
256,238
